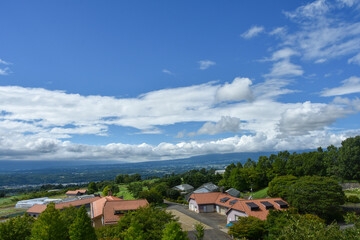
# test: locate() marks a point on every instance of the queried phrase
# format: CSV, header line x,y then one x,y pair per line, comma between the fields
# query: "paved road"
x,y
215,221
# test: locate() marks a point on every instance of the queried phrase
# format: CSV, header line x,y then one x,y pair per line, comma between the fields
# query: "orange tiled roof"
x,y
262,212
240,205
205,198
120,205
83,191
97,207
37,208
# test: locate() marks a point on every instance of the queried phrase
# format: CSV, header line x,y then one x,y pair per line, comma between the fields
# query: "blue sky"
x,y
150,80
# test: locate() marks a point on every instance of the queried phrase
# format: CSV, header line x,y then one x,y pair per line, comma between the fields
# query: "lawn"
x,y
261,193
124,192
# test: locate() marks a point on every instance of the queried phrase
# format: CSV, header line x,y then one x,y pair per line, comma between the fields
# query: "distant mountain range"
x,y
43,172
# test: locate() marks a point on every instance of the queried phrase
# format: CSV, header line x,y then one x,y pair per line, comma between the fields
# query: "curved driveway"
x,y
215,222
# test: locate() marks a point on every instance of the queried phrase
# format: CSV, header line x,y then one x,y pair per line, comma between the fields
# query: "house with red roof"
x,y
108,210
232,207
77,192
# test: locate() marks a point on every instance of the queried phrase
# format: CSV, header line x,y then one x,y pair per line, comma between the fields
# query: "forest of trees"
x,y
338,163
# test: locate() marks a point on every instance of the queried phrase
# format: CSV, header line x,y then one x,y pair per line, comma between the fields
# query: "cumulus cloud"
x,y
350,85
225,124
306,117
205,64
238,90
252,32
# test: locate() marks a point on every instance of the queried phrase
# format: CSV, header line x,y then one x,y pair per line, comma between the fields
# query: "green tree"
x,y
172,231
151,196
317,195
200,231
92,188
135,188
49,225
81,228
68,216
17,228
279,186
150,220
309,227
134,232
349,163
106,190
251,228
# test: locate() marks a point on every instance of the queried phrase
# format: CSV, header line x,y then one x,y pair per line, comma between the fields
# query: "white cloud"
x,y
167,72
284,53
252,32
355,59
278,31
350,85
225,124
238,90
285,68
306,117
322,36
4,71
205,64
312,10
4,62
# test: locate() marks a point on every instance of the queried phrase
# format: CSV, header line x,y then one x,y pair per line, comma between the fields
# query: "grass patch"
x,y
123,191
261,193
354,191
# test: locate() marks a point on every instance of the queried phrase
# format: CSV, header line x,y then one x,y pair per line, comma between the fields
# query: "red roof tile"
x,y
240,205
120,205
37,208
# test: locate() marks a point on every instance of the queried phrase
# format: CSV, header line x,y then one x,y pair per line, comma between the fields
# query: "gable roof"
x,y
210,186
97,207
233,192
37,208
238,204
120,205
184,187
262,212
75,192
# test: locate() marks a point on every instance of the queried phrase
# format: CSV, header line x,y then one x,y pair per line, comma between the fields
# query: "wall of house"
x,y
233,215
221,210
207,208
193,206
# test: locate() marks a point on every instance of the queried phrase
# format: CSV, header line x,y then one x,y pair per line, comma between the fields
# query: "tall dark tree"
x,y
92,188
49,225
317,195
81,228
350,158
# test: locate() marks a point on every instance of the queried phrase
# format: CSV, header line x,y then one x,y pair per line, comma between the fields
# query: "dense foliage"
x,y
145,223
17,228
341,164
317,195
250,228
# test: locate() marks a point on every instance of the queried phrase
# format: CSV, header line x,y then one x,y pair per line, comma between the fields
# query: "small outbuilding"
x,y
233,192
184,188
